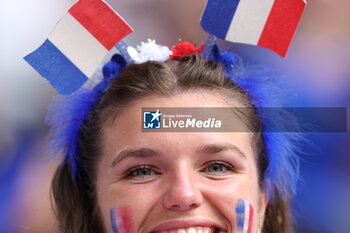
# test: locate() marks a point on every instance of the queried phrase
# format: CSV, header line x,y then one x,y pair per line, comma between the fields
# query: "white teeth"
x,y
193,230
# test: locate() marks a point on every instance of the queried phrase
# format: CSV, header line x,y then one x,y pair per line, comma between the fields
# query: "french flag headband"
x,y
80,41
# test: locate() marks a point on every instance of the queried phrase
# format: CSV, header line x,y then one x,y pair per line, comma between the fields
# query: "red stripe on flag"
x,y
281,25
125,220
251,215
101,21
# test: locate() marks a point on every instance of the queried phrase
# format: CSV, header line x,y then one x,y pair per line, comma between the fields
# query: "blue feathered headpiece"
x,y
281,147
68,113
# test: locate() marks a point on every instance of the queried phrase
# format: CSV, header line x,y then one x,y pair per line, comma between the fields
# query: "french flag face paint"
x,y
121,220
244,216
78,44
267,23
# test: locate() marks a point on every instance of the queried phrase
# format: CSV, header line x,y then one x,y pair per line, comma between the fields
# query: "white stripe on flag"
x,y
78,45
246,216
249,21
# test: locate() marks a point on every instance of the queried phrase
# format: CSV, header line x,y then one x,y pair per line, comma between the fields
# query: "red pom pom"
x,y
183,48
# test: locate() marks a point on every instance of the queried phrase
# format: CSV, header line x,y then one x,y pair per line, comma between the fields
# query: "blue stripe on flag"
x,y
240,214
54,66
218,15
240,206
114,221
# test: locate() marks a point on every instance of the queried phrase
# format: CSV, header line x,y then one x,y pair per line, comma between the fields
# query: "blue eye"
x,y
219,167
140,172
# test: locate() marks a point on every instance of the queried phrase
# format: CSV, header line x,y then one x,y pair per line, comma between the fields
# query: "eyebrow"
x,y
138,153
147,152
216,148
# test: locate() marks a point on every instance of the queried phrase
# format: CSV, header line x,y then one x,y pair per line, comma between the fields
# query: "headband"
x,y
60,65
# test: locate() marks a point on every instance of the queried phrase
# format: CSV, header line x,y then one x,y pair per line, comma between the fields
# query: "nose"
x,y
183,193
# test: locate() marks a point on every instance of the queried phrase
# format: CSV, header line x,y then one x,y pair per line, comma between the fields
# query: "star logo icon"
x,y
156,115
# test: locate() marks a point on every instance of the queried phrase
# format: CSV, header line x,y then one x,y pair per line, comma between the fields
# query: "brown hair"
x,y
75,201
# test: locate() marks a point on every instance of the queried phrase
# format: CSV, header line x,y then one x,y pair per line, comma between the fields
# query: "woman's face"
x,y
171,181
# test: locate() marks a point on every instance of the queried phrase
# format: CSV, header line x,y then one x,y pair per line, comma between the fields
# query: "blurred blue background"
x,y
317,64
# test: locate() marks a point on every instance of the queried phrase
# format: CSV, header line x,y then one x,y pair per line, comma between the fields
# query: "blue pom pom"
x,y
117,58
228,60
110,70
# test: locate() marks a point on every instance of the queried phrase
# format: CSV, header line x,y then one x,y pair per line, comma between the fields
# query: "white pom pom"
x,y
149,51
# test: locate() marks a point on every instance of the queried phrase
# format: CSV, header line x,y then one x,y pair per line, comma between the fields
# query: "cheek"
x,y
122,220
138,197
137,201
225,196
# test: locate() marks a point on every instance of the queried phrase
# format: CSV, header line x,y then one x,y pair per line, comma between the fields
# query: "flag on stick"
x,y
267,23
77,45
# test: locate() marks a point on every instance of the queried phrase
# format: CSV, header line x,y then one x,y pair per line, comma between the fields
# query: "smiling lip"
x,y
178,224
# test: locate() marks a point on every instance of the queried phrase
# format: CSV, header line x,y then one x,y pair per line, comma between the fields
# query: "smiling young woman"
x,y
168,181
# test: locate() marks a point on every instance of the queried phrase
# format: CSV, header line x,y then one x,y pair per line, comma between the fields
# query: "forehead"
x,y
126,130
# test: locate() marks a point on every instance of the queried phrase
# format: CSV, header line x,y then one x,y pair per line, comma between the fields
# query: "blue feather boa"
x,y
282,148
67,114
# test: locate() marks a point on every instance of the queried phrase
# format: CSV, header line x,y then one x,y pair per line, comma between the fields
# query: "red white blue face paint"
x,y
121,220
244,216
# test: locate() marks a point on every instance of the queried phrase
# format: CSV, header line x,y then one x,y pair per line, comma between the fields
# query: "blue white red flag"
x,y
244,216
78,44
267,23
